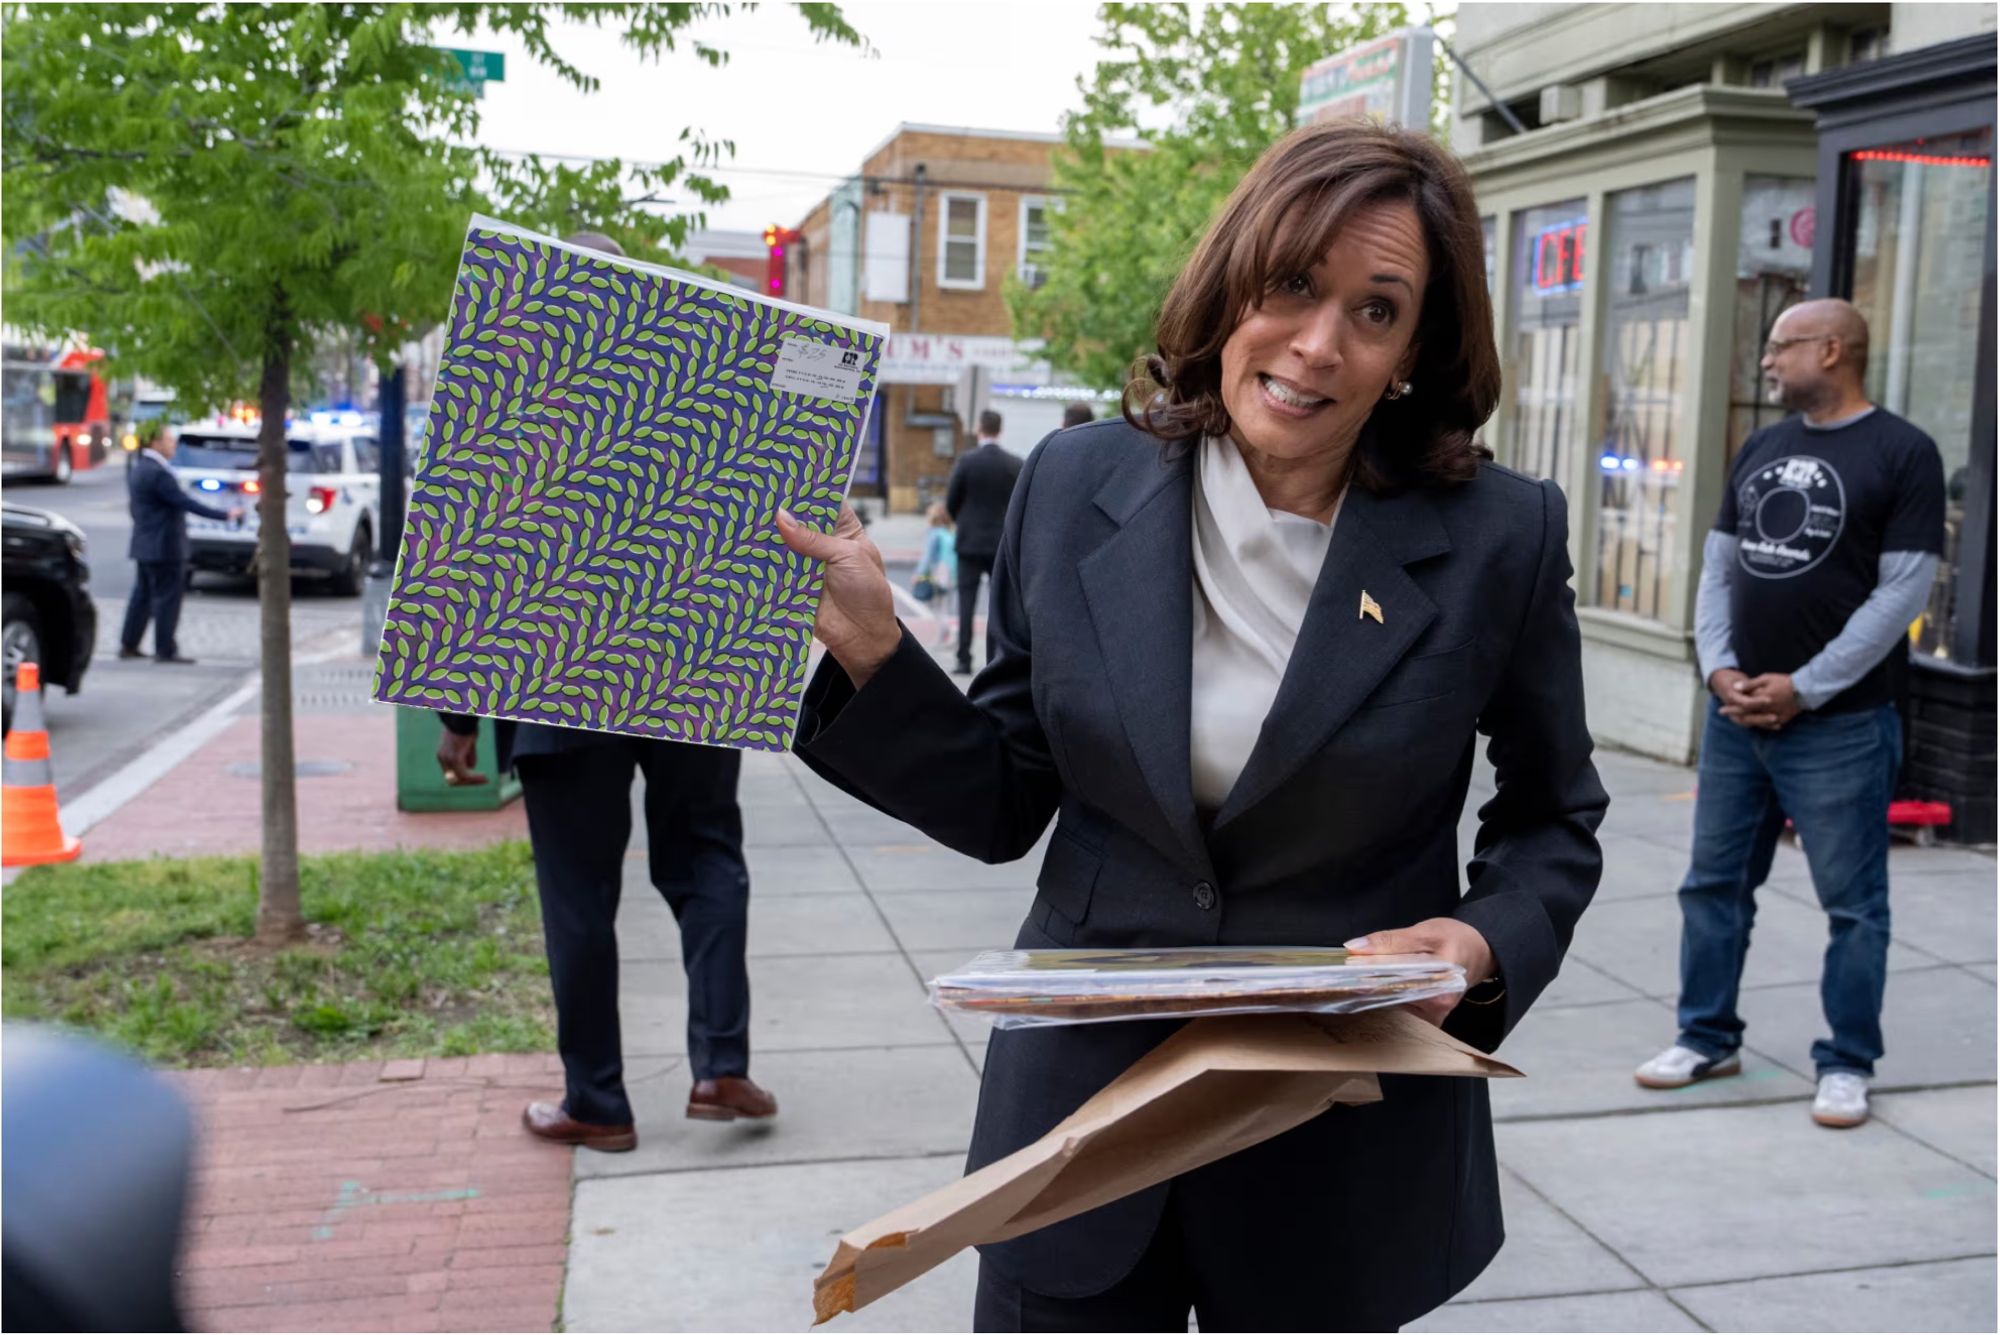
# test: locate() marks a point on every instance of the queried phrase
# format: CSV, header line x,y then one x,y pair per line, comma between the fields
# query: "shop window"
x,y
867,477
962,241
1549,246
1645,360
1774,250
1919,248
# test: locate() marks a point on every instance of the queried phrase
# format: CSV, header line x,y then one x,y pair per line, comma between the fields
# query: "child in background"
x,y
937,570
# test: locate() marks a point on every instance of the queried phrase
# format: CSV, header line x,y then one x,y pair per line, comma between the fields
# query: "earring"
x,y
1398,390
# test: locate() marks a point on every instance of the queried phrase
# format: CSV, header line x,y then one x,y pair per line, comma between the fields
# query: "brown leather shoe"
x,y
728,1097
550,1122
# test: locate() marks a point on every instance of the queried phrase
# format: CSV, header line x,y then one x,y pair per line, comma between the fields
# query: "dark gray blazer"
x,y
982,482
160,508
1344,820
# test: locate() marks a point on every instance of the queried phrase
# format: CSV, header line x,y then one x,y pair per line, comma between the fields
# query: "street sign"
x,y
476,69
1386,79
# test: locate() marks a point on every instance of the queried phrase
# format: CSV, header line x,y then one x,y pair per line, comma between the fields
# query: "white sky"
x,y
802,116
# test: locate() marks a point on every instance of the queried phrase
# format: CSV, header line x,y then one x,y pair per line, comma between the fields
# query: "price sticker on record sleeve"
x,y
817,370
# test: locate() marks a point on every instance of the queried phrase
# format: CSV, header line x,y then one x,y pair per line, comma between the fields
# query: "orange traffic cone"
x,y
30,829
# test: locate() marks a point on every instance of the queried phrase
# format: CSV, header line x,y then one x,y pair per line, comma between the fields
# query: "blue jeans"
x,y
1833,775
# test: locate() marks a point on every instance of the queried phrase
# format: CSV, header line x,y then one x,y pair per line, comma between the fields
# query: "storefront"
x,y
1905,199
934,387
1637,261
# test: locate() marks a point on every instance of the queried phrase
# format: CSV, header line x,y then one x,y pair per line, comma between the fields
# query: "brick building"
x,y
926,236
741,255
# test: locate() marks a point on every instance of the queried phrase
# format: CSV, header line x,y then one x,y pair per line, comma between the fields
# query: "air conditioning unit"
x,y
1561,102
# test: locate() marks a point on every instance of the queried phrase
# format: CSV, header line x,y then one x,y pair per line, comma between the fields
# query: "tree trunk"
x,y
279,916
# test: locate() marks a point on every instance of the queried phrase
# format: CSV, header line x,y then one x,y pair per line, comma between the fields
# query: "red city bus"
x,y
56,416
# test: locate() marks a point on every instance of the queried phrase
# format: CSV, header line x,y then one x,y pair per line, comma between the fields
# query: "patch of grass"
x,y
408,954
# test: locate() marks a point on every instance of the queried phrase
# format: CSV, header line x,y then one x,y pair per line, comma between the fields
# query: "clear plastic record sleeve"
x,y
1012,988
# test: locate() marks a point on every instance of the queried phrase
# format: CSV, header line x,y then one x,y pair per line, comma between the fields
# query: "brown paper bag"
x,y
1214,1087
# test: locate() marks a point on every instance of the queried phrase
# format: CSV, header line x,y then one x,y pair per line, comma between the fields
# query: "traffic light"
x,y
776,238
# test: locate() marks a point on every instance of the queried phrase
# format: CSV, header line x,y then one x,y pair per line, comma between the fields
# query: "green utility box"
x,y
420,784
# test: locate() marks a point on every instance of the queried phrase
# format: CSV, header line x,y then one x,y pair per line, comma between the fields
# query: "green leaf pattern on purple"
x,y
591,536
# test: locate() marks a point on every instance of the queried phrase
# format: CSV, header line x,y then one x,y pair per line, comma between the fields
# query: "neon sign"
x,y
1921,159
1558,251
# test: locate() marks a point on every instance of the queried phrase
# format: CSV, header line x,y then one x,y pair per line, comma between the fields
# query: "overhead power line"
x,y
799,174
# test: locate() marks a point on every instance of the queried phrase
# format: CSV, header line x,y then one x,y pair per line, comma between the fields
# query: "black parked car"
x,y
49,618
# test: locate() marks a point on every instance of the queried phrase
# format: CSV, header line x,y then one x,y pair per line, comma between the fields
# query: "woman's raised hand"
x,y
857,615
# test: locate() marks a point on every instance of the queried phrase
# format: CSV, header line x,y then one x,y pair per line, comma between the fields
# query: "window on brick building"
x,y
962,241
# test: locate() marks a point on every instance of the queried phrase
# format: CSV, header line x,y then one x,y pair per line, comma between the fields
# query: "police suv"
x,y
332,501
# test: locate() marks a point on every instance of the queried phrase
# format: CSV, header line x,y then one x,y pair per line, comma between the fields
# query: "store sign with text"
x,y
943,359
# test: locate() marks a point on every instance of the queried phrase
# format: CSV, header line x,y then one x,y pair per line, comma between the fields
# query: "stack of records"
x,y
1026,987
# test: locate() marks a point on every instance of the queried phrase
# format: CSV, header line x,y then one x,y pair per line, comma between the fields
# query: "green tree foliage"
x,y
1225,78
186,183
209,192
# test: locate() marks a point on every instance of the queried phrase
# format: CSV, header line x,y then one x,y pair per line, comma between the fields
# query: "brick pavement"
x,y
201,806
388,1196
381,1196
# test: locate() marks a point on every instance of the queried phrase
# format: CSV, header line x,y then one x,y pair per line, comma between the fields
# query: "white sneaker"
x,y
1842,1099
1678,1067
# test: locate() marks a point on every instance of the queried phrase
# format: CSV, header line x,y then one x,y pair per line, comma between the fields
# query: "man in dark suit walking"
x,y
577,787
159,545
982,482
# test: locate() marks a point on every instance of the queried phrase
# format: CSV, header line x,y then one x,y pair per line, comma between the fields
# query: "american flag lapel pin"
x,y
1370,608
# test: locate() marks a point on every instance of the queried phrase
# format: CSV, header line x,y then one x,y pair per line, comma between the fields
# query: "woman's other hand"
x,y
1448,939
857,614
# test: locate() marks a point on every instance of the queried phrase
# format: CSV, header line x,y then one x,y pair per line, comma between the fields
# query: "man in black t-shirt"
x,y
1824,552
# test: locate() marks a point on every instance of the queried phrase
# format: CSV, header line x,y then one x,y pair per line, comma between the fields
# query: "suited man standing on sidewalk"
x,y
577,788
159,547
982,482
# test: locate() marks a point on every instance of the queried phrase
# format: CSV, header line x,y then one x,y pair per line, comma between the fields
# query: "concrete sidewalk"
x,y
1721,1207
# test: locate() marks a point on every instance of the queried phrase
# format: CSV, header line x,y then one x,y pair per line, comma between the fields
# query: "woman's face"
x,y
1302,372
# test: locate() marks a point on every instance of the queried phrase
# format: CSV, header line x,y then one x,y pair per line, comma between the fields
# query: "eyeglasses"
x,y
1778,345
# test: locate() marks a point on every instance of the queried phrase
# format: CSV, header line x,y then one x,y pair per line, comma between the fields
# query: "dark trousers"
x,y
579,820
971,570
156,596
1164,1287
1833,774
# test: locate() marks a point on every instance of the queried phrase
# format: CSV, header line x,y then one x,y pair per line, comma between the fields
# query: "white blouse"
x,y
1254,571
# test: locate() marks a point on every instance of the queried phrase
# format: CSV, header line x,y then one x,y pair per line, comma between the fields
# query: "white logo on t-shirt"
x,y
1789,513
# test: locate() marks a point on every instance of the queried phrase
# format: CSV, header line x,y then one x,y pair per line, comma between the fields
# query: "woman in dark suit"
x,y
1240,646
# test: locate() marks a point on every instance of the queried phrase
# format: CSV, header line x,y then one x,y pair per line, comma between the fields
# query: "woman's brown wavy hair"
x,y
1280,221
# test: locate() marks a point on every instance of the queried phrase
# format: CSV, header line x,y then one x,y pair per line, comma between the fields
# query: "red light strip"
x,y
1921,159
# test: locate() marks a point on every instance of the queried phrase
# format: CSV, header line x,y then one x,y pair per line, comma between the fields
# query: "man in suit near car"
x,y
159,547
577,787
982,482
